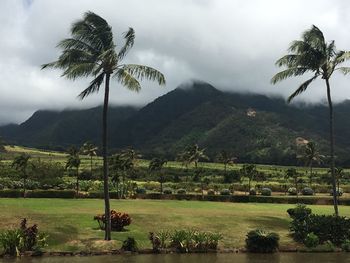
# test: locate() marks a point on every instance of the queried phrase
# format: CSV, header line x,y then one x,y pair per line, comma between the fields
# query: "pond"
x,y
194,258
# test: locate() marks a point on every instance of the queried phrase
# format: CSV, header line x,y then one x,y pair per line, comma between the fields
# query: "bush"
x,y
266,191
292,191
311,240
9,193
51,194
225,192
259,241
210,192
141,190
307,191
118,220
17,241
181,191
346,245
252,191
130,244
167,191
339,192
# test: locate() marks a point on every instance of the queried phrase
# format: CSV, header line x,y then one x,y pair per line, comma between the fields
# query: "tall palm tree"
x,y
91,52
91,150
312,54
20,163
156,165
73,162
311,156
193,154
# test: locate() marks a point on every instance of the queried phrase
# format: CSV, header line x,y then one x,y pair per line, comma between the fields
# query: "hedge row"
x,y
192,197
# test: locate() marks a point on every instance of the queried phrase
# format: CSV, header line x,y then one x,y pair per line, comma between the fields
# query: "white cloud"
x,y
229,43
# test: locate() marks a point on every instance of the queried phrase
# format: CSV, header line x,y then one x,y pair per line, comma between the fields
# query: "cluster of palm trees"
x,y
92,52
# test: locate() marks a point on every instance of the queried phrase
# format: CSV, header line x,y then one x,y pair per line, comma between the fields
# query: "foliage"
x,y
130,244
167,191
292,191
307,191
311,240
252,191
225,192
141,190
181,191
210,192
266,191
339,192
260,241
118,220
17,241
346,245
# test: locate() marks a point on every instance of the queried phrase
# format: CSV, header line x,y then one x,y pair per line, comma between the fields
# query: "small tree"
x,y
91,150
226,159
20,163
156,165
249,171
73,162
292,173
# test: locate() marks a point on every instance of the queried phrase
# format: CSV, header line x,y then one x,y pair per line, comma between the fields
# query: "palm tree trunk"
x,y
331,135
91,165
105,161
310,183
77,184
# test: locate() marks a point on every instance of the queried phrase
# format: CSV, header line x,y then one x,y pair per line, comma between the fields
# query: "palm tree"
x,y
310,156
294,175
226,159
192,154
250,172
156,165
91,52
314,55
91,150
73,162
20,163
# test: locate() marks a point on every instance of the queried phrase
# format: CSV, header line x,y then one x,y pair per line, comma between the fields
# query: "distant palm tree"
x,y
250,172
20,163
226,159
156,165
314,55
293,174
311,156
193,154
73,162
91,150
91,52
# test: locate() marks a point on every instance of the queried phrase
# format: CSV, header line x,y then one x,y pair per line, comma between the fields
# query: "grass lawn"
x,y
70,224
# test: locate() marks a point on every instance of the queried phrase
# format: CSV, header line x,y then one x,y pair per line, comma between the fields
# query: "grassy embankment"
x,y
70,224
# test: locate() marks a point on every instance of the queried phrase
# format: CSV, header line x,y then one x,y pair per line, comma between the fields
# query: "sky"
x,y
229,43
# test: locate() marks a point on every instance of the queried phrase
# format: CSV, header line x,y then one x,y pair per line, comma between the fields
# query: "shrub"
x,y
141,190
11,193
17,241
346,245
130,244
225,192
167,191
181,191
307,191
292,191
252,191
266,191
51,194
118,220
259,241
311,240
210,192
339,192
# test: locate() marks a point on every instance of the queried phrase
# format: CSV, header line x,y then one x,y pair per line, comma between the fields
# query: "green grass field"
x,y
70,224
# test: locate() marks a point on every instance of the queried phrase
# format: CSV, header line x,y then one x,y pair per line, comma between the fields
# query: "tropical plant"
x,y
156,165
20,163
119,220
293,174
73,162
91,150
130,244
311,156
192,154
91,52
260,241
313,54
226,159
249,171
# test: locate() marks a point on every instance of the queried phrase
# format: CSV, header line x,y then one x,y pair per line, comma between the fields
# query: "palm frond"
x,y
302,88
290,72
144,72
129,37
127,80
93,87
344,70
341,57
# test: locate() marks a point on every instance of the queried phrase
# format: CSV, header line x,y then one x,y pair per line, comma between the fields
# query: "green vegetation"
x,y
70,223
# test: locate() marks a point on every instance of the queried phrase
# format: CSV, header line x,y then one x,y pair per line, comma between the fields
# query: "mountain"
x,y
255,128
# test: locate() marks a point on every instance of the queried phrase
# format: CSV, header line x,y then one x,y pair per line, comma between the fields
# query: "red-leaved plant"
x,y
118,220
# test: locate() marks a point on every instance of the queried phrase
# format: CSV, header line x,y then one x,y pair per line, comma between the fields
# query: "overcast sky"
x,y
230,44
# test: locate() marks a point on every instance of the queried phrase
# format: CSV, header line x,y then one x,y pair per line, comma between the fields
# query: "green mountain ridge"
x,y
255,128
